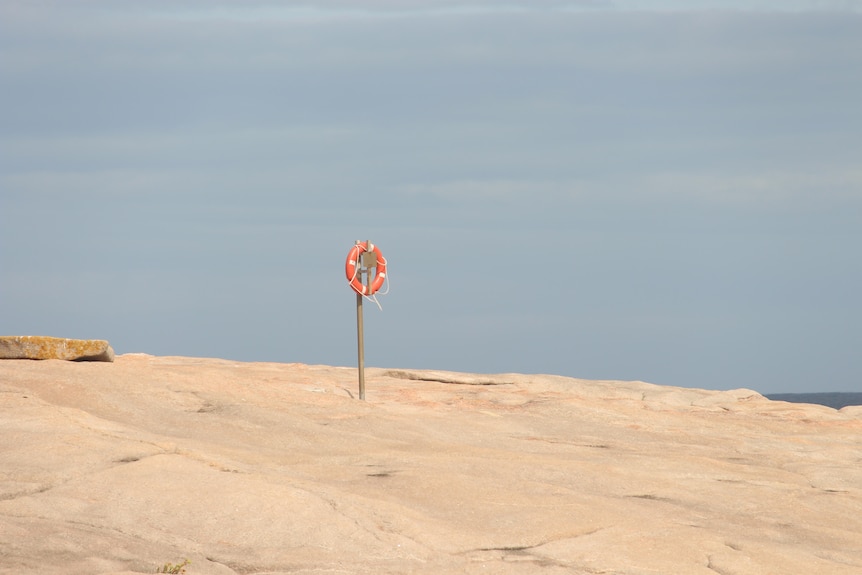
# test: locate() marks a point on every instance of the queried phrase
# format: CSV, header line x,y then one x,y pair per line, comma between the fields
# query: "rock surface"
x,y
261,468
42,347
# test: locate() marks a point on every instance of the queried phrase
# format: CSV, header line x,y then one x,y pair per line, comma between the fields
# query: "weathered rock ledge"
x,y
43,347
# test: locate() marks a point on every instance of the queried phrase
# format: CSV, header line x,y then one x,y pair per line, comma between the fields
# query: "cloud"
x,y
331,10
485,190
800,190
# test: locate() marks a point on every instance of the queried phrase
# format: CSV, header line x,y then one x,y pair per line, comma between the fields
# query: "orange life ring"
x,y
352,267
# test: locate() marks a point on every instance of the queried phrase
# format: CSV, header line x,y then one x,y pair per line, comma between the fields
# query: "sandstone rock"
x,y
253,468
42,347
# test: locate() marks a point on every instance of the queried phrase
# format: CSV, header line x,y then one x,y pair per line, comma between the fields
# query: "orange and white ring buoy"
x,y
352,266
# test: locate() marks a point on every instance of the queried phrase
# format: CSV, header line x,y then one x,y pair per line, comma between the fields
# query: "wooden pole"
x,y
360,337
361,340
366,261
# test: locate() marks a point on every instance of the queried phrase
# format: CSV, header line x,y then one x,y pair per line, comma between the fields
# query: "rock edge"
x,y
44,347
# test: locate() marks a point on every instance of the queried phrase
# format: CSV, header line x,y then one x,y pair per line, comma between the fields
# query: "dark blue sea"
x,y
836,399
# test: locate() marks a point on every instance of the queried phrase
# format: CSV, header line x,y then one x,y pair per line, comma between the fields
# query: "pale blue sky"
x,y
664,191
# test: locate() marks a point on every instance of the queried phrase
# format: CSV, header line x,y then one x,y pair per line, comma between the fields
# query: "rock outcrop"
x,y
42,347
252,468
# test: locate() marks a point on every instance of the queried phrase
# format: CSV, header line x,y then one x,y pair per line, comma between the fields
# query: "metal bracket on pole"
x,y
369,260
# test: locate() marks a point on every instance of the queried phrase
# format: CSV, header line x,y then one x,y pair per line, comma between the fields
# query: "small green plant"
x,y
175,569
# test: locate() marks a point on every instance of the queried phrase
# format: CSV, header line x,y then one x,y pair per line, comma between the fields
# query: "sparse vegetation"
x,y
175,569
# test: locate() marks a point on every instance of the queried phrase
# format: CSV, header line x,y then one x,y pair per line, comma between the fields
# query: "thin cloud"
x,y
328,10
800,189
483,190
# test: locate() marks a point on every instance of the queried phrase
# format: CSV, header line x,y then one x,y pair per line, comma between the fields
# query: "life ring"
x,y
352,267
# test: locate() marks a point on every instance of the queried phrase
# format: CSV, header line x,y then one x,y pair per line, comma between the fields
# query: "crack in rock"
x,y
446,377
512,549
712,567
527,550
26,493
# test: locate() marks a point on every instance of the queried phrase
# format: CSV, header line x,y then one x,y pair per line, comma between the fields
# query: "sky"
x,y
662,191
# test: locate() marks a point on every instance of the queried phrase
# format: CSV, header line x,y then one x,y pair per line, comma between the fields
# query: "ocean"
x,y
836,400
